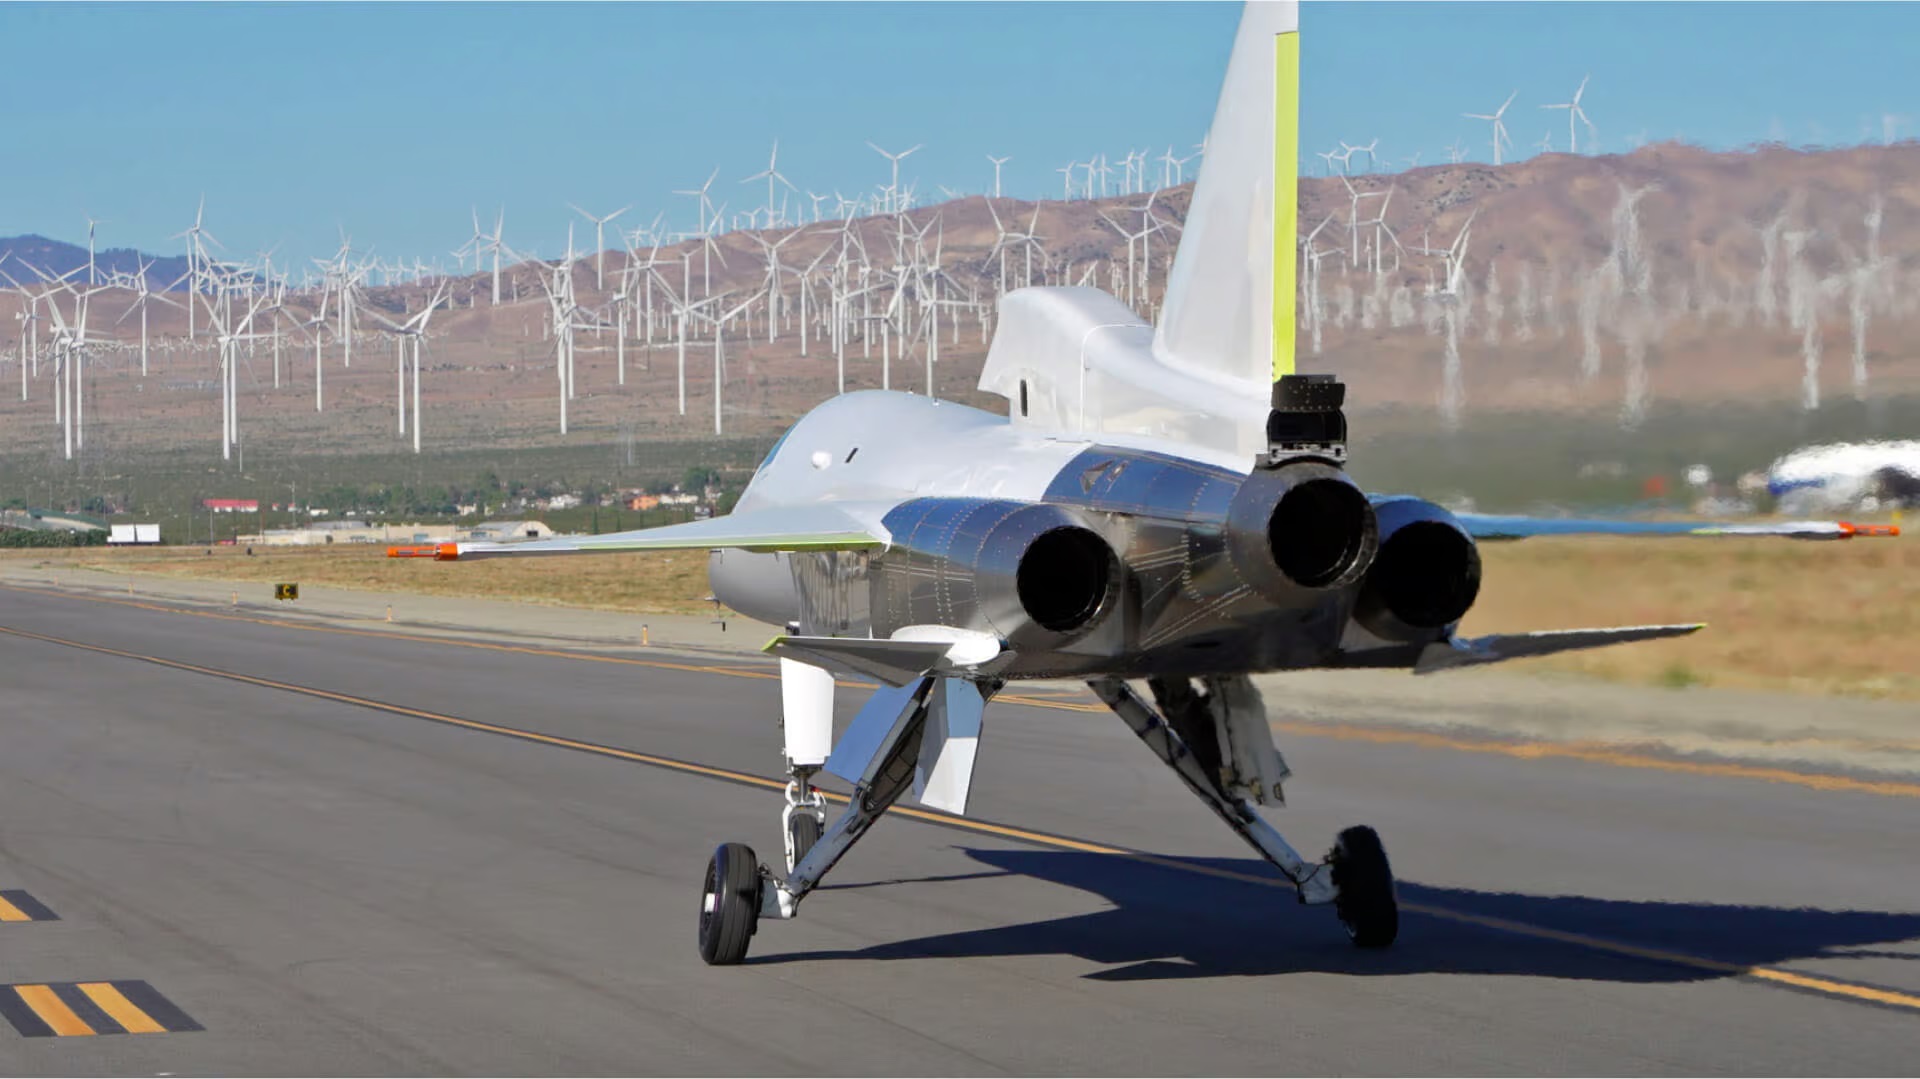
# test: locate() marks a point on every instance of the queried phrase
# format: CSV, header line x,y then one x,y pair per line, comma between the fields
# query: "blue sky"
x,y
390,120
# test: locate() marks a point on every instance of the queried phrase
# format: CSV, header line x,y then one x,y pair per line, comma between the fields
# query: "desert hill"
x,y
1613,284
57,257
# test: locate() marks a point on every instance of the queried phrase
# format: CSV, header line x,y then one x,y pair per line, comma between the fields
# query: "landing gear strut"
x,y
1235,755
805,817
886,736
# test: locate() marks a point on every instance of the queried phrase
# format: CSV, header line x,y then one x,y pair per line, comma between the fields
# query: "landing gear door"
x,y
949,745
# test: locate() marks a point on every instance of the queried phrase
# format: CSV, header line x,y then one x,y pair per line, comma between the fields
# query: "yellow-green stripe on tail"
x,y
1286,179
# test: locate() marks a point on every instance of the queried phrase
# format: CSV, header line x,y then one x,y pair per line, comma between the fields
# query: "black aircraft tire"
x,y
1366,904
729,904
805,831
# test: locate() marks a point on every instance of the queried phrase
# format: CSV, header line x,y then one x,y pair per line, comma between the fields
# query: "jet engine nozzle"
x,y
1425,577
1303,527
1064,578
1032,574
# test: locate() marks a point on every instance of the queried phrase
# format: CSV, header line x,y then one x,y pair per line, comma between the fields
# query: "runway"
x,y
296,851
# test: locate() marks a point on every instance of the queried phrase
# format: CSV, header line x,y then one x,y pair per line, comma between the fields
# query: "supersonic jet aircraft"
x,y
1161,504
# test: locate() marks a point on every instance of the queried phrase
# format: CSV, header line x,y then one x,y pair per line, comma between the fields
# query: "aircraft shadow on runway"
x,y
1166,923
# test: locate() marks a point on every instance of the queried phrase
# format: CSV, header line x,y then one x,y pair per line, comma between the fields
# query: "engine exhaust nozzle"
x,y
1301,528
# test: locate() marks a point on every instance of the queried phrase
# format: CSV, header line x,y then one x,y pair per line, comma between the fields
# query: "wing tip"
x,y
1852,531
441,552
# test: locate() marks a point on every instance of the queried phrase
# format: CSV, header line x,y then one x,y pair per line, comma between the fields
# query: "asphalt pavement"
x,y
243,844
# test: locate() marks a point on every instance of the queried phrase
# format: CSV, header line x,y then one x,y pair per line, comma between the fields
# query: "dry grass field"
x,y
1815,618
664,583
1806,617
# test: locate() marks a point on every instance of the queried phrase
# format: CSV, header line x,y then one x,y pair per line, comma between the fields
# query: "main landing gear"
x,y
1214,737
1219,743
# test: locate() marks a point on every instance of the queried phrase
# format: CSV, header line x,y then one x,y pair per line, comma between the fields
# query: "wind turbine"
x,y
414,332
893,189
719,351
141,298
313,327
599,242
229,335
29,319
997,162
1452,388
1575,112
1499,127
91,222
196,253
495,246
770,174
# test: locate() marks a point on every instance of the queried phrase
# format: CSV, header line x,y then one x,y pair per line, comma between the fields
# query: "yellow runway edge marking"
x,y
1864,993
52,1010
1587,753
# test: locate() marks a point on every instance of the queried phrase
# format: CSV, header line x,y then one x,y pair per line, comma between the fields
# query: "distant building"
x,y
323,533
563,502
232,505
643,502
501,531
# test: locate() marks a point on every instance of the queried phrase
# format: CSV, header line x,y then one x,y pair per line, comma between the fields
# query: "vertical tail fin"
x,y
1229,307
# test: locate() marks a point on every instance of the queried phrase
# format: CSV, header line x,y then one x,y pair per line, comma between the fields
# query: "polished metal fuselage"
x,y
956,489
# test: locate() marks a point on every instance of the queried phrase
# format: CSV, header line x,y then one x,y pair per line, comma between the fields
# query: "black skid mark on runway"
x,y
1166,923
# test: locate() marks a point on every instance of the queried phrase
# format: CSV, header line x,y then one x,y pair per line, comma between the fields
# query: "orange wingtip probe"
x,y
445,552
1869,530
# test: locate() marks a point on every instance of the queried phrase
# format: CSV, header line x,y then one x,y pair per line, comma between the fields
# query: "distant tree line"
x,y
14,537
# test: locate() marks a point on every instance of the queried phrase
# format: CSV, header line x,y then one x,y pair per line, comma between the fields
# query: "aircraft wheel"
x,y
729,904
804,830
1366,904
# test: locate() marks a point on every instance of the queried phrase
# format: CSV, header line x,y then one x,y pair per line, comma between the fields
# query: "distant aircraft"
x,y
1166,504
1847,476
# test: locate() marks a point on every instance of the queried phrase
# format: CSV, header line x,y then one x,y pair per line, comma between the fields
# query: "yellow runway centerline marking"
x,y
52,1010
1827,986
1587,753
115,1003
